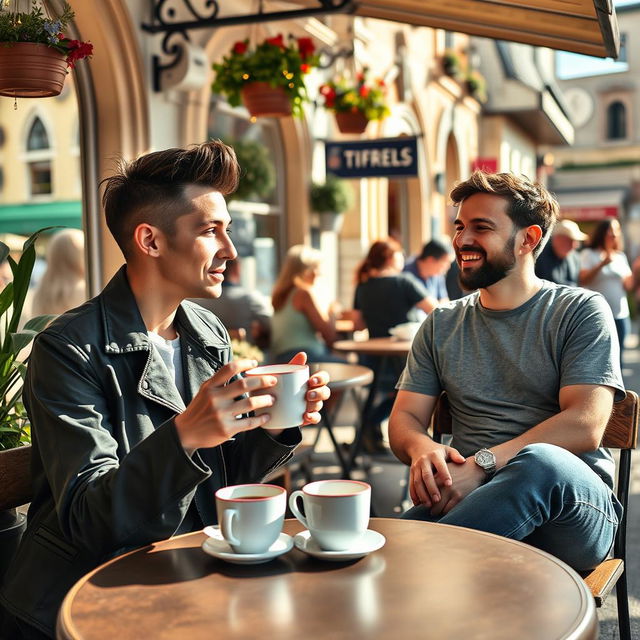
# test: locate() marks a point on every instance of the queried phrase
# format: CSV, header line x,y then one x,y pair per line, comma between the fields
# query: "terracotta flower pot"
x,y
261,99
351,121
31,70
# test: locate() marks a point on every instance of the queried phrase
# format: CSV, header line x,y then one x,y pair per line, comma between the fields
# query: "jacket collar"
x,y
125,330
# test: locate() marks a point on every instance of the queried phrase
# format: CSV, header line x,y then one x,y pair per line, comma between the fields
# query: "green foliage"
x,y
334,196
14,429
257,175
273,61
452,64
36,27
477,85
366,96
243,349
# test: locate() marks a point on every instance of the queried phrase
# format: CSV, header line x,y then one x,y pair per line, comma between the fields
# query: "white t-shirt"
x,y
609,280
169,351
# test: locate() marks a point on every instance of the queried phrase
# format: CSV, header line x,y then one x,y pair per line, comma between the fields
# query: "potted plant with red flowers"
x,y
35,55
269,78
355,104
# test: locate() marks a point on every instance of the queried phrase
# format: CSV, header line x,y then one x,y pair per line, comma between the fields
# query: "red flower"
x,y
380,82
305,68
364,91
306,47
240,47
277,41
76,50
360,76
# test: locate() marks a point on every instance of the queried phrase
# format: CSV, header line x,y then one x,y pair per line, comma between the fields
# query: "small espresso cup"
x,y
337,511
289,392
251,515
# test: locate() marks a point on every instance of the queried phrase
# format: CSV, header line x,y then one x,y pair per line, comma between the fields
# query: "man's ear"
x,y
531,238
146,239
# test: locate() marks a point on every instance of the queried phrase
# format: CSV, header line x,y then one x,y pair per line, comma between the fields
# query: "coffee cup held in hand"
x,y
336,512
251,515
289,392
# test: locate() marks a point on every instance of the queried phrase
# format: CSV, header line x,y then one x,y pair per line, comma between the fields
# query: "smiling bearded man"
x,y
531,369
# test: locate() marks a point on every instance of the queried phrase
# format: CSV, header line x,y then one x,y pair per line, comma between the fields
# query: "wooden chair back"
x,y
15,477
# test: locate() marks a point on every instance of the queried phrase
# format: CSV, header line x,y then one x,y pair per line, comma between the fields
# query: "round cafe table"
x,y
429,581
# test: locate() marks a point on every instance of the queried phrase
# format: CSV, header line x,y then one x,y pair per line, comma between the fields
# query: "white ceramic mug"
x,y
251,515
337,511
290,404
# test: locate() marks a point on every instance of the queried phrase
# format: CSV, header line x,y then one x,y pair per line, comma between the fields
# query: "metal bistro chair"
x,y
621,433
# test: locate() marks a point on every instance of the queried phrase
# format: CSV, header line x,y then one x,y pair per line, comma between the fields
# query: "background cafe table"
x,y
385,349
430,581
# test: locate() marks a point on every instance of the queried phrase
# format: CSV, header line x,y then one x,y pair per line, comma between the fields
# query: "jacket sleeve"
x,y
106,496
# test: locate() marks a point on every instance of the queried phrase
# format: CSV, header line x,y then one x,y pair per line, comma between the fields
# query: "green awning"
x,y
24,219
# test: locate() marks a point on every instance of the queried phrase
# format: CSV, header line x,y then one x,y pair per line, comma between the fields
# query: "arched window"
x,y
38,138
39,159
616,121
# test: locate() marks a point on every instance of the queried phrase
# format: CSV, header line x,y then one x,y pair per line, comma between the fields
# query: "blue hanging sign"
x,y
383,158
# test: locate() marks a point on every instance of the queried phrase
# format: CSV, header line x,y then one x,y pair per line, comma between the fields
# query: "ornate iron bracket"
x,y
167,18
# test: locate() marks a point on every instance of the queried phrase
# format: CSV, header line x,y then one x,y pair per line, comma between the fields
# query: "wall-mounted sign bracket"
x,y
168,19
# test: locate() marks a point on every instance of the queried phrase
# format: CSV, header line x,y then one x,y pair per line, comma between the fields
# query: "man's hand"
x,y
464,479
211,417
430,473
317,390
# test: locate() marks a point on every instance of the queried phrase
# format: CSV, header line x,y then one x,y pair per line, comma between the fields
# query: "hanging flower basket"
x,y
261,99
265,76
31,70
351,121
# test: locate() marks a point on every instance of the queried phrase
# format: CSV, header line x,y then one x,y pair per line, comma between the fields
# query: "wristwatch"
x,y
486,460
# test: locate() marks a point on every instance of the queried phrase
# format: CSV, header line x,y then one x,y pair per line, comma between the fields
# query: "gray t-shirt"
x,y
503,370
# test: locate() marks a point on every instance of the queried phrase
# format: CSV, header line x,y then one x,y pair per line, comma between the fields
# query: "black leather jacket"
x,y
109,472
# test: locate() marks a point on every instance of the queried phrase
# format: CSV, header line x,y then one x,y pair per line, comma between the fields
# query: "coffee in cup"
x,y
251,515
336,511
289,392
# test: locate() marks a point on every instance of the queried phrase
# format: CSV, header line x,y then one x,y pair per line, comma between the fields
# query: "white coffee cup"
x,y
290,403
337,511
251,515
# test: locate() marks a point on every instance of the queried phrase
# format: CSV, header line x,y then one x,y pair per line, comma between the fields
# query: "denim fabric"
x,y
623,327
546,497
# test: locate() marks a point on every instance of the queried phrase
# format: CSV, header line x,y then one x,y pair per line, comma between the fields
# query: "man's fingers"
x,y
318,379
231,369
442,472
418,485
299,358
311,417
315,395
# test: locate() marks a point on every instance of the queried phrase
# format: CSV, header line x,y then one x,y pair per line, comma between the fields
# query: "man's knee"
x,y
542,461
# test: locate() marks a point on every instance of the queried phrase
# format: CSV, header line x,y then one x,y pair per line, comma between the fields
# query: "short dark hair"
x,y
152,187
529,203
434,249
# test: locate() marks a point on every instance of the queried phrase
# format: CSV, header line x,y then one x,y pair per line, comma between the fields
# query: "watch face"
x,y
485,458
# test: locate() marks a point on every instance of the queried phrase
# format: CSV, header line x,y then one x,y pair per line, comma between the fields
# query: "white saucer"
x,y
215,545
370,541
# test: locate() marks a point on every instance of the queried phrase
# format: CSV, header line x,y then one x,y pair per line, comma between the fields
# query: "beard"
x,y
491,271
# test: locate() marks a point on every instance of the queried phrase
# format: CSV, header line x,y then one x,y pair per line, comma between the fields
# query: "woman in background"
x,y
604,268
384,298
301,318
62,286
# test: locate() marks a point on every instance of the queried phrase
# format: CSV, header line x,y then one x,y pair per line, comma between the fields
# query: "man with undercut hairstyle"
x,y
531,369
138,413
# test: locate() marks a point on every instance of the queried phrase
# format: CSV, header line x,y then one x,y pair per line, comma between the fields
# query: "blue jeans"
x,y
623,327
546,497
